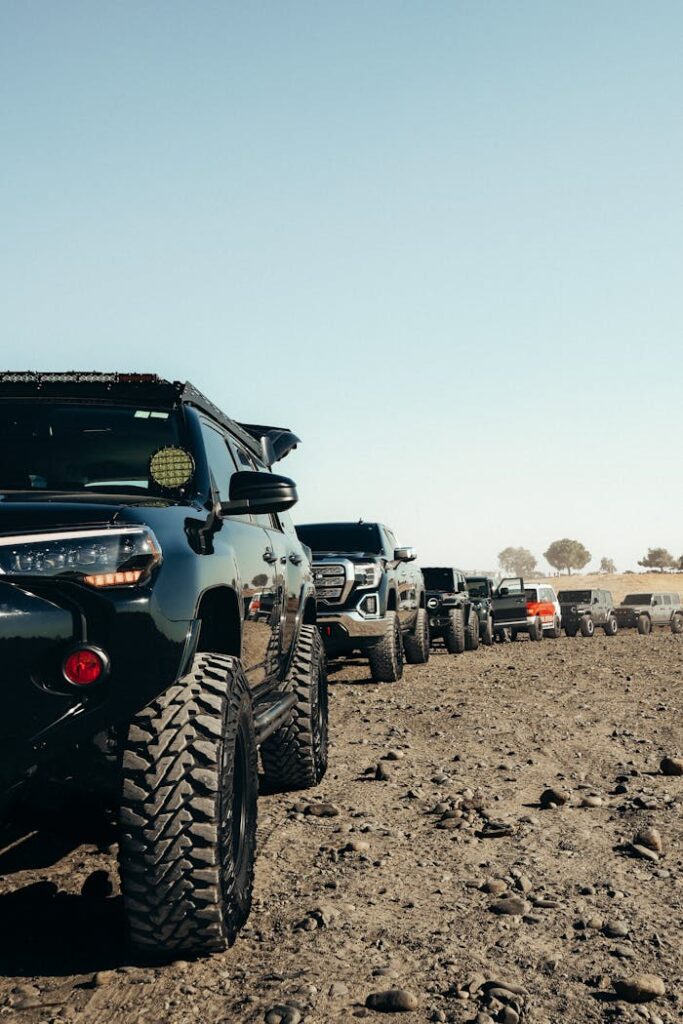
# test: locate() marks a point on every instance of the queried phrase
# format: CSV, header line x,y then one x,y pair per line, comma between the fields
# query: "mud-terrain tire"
x,y
644,625
295,756
556,632
417,644
487,635
454,637
611,626
677,623
570,631
587,626
514,635
472,632
536,630
386,656
188,813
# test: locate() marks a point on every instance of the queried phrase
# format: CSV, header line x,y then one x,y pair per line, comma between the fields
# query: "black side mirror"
x,y
251,491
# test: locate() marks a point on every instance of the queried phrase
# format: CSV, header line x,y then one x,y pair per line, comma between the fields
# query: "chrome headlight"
x,y
367,575
99,558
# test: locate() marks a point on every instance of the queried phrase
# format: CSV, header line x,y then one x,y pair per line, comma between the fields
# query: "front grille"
x,y
329,580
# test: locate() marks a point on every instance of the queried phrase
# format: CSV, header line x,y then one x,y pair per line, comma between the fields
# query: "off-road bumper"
x,y
349,630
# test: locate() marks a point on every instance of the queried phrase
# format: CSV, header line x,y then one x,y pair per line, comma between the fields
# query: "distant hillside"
x,y
620,584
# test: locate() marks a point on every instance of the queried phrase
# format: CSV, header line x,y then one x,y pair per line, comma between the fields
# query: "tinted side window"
x,y
221,465
666,599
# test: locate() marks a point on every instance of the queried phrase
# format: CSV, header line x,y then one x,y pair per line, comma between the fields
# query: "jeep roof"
x,y
638,599
446,578
580,596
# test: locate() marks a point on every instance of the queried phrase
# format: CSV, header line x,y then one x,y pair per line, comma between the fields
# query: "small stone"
x,y
337,990
592,801
507,986
322,810
616,929
650,838
494,886
356,846
554,798
394,755
640,988
644,852
283,1014
524,884
596,922
509,1016
394,1000
671,766
513,906
103,978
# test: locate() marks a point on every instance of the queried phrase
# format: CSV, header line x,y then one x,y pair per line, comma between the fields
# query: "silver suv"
x,y
645,611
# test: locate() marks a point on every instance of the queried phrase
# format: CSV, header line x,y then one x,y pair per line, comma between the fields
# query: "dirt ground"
x,y
390,894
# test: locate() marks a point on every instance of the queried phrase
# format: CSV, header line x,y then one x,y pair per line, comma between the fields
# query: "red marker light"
x,y
83,668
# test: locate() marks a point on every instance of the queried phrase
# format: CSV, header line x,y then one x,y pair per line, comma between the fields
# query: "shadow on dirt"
x,y
54,933
47,931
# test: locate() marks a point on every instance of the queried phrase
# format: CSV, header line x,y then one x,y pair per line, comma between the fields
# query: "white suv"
x,y
541,601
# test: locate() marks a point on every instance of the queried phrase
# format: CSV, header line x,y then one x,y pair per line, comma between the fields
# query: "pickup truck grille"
x,y
330,580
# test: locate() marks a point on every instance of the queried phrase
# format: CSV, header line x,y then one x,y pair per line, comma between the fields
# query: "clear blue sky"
x,y
442,240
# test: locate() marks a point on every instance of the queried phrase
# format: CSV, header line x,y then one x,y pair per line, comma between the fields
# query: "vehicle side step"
x,y
273,717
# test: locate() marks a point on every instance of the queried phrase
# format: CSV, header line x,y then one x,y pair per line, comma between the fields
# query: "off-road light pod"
x,y
99,558
85,666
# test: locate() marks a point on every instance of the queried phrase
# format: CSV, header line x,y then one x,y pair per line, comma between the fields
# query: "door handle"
x,y
295,559
269,556
283,560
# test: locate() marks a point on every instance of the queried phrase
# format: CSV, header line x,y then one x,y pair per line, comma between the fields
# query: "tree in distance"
x,y
518,561
658,558
567,554
607,566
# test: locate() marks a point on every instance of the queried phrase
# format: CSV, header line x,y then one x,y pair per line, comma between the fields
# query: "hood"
x,y
24,514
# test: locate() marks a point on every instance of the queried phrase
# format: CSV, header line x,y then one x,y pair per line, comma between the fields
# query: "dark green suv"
x,y
585,610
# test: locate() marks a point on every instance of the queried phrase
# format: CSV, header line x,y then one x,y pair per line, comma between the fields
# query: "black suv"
x,y
583,610
481,589
371,599
452,617
157,620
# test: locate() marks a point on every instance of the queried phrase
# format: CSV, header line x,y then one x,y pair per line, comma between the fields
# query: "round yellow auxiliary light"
x,y
171,468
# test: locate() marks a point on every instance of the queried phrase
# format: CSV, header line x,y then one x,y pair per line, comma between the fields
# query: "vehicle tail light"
x,y
85,666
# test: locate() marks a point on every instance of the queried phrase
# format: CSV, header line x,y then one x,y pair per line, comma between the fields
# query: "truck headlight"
x,y
99,558
367,575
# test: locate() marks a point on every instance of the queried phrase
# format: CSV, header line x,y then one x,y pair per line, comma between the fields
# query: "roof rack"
x,y
270,443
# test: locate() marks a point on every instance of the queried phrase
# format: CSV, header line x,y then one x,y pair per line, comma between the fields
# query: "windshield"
x,y
439,579
343,537
637,599
574,596
477,588
50,446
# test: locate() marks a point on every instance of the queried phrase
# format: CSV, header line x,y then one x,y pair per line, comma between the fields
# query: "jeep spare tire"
x,y
188,813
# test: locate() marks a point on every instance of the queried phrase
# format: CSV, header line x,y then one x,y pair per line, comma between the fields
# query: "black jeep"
x,y
371,599
157,624
452,617
583,610
480,589
510,613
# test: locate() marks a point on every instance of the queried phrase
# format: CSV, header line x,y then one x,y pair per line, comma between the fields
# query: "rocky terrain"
x,y
495,841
